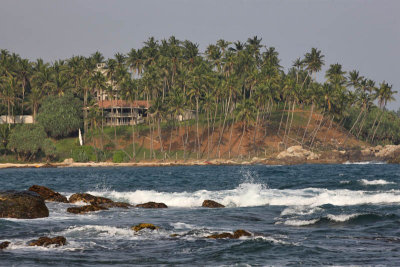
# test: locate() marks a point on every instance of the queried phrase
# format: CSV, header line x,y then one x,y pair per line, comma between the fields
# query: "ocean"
x,y
309,215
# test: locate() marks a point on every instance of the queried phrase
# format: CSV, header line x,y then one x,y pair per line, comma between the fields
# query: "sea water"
x,y
298,215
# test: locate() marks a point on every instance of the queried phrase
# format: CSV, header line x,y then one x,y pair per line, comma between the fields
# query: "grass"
x,y
65,146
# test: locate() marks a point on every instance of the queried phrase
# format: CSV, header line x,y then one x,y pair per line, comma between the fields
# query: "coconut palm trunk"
x,y
308,123
241,138
223,125
376,128
283,113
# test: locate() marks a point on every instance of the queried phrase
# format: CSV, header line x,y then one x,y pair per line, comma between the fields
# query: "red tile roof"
x,y
124,104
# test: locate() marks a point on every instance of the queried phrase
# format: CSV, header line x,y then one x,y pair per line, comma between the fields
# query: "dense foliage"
x,y
239,81
60,116
28,139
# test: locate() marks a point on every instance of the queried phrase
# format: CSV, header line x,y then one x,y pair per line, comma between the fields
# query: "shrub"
x,y
4,135
26,140
60,116
49,149
83,154
120,156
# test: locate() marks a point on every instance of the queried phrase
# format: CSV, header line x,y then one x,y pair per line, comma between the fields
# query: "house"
x,y
4,119
123,112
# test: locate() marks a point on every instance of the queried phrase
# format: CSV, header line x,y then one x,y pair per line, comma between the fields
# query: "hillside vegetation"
x,y
244,103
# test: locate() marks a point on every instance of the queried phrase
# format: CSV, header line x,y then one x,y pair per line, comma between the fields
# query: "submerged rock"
x,y
236,235
221,236
45,241
4,244
152,205
141,226
22,205
48,194
85,209
121,205
211,204
88,198
239,233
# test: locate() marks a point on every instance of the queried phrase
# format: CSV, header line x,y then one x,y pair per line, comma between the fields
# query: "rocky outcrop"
x,y
152,205
211,204
142,226
48,194
387,152
378,153
295,153
45,241
236,235
88,198
22,205
4,244
85,209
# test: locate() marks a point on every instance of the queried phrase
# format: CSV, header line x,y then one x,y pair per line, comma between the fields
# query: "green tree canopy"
x,y
26,140
60,116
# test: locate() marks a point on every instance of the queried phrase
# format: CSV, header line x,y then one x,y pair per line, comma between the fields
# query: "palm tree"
x,y
386,95
246,113
23,73
314,61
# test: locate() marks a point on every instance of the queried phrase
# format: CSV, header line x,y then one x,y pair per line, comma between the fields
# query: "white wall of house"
x,y
4,119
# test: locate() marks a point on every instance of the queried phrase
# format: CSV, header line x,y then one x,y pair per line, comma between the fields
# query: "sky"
x,y
359,34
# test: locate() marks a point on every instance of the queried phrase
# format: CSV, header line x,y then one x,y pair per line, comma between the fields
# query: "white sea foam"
x,y
181,225
345,182
375,182
300,210
248,195
364,162
300,222
342,217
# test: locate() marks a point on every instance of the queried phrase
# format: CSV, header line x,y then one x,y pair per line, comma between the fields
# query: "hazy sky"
x,y
359,34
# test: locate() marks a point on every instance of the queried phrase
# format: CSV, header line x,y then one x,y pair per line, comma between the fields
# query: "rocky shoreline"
x,y
290,156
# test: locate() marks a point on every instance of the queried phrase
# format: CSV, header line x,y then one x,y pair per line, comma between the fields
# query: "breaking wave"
x,y
375,182
253,194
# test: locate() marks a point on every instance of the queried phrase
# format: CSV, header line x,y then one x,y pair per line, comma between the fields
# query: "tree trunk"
x,y
208,134
230,137
241,138
376,128
223,125
316,131
291,120
85,115
283,113
133,123
308,123
286,125
160,135
362,124
197,127
256,129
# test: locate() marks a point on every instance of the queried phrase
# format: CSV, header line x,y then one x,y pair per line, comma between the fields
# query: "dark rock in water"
x,y
4,244
85,209
88,198
212,204
152,205
122,205
236,235
45,241
221,236
239,233
48,194
141,226
22,205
